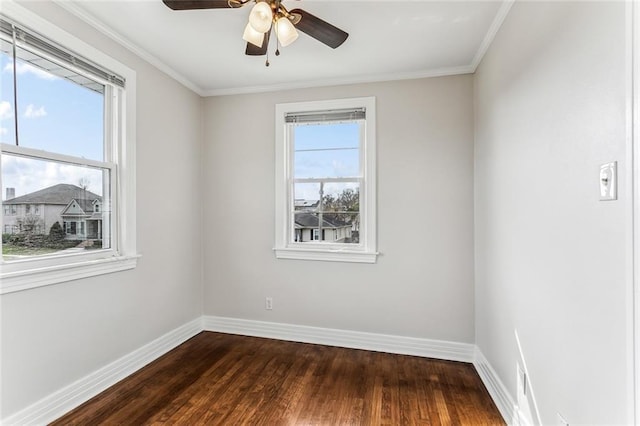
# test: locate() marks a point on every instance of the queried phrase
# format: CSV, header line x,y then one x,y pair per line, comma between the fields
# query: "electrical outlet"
x,y
522,381
268,303
562,421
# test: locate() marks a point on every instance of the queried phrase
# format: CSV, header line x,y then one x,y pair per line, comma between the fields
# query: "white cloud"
x,y
5,110
3,131
27,175
24,68
32,112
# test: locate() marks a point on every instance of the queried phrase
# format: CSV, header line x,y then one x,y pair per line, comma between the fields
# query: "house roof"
x,y
60,194
85,205
305,203
310,220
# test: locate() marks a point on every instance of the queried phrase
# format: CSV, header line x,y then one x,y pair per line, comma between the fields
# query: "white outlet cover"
x,y
609,181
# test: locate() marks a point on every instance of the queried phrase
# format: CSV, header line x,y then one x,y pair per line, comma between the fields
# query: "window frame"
x,y
285,246
120,129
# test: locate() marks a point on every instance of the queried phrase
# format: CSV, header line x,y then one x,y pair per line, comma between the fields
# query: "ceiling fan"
x,y
267,16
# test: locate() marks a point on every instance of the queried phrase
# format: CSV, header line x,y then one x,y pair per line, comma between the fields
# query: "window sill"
x,y
32,278
337,255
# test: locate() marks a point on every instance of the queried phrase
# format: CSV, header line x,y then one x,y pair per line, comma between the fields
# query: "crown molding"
x,y
491,33
373,78
105,29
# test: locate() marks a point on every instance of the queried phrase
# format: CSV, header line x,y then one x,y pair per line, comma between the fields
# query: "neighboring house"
x,y
305,205
77,210
82,219
307,229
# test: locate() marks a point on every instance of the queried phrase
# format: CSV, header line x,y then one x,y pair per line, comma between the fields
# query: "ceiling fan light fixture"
x,y
252,36
268,15
261,17
285,31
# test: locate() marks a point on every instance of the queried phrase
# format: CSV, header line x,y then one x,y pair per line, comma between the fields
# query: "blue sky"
x,y
60,116
339,156
55,115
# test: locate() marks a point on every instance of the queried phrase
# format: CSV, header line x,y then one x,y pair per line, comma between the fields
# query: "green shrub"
x,y
56,233
16,239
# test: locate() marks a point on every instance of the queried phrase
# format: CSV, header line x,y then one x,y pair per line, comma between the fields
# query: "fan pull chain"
x,y
275,27
277,41
267,63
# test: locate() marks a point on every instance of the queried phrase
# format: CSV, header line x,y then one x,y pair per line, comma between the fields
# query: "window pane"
x,y
335,220
327,150
306,196
7,123
341,207
50,207
326,227
58,109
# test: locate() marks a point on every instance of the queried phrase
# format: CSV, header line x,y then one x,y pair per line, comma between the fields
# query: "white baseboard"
x,y
73,395
450,351
498,391
428,348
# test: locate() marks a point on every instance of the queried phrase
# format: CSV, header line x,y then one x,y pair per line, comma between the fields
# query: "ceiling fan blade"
x,y
253,50
196,4
319,29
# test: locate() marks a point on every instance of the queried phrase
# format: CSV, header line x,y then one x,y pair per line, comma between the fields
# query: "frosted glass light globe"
x,y
286,32
261,17
252,36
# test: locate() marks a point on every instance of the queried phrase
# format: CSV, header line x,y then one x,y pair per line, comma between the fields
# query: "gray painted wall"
x,y
53,336
551,258
422,284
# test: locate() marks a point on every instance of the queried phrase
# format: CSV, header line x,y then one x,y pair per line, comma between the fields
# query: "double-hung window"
x,y
325,180
66,144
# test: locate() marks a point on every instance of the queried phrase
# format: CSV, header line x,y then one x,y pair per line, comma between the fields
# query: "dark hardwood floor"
x,y
222,379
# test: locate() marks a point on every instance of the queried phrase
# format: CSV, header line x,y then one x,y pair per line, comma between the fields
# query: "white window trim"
x,y
366,252
33,273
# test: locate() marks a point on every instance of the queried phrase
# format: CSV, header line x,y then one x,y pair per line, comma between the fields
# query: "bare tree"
x,y
343,208
84,183
30,224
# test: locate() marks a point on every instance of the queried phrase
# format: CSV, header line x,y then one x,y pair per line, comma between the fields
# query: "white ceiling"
x,y
388,40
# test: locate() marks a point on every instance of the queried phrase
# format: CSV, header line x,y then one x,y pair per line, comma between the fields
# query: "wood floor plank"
x,y
221,379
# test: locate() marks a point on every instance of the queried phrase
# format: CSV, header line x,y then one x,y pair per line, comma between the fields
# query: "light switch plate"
x,y
609,181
